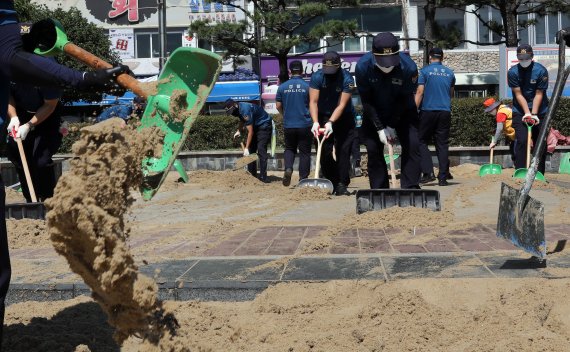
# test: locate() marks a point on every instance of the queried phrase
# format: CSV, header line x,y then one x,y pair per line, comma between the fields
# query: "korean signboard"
x,y
122,41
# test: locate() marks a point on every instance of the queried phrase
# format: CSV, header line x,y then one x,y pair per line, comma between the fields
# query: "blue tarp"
x,y
240,90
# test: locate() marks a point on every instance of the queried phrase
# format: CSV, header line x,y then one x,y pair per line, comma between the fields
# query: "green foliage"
x,y
79,31
280,25
447,37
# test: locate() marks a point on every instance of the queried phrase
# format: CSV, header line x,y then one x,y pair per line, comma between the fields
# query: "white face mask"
x,y
385,69
525,63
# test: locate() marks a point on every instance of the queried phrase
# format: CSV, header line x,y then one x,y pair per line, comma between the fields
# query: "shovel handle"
x,y
392,165
124,79
528,143
320,142
26,170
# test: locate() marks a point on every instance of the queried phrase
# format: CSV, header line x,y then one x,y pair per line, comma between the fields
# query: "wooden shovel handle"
x,y
528,143
26,170
392,164
124,80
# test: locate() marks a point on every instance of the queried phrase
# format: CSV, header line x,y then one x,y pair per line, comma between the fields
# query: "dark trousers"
x,y
341,140
407,131
259,142
435,124
355,150
521,135
39,147
5,269
298,139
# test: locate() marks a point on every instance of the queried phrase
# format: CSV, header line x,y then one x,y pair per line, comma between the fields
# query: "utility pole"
x,y
162,32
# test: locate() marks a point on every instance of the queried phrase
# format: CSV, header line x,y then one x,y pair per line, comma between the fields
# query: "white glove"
x,y
237,134
531,119
245,152
14,123
328,129
315,129
492,145
22,131
387,135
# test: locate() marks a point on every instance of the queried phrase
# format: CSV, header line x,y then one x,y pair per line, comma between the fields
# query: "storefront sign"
x,y
123,42
311,63
215,12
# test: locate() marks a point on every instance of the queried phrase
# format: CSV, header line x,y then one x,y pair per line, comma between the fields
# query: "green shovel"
x,y
490,168
521,173
188,77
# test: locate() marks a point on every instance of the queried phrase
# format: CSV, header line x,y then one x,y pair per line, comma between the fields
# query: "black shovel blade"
x,y
525,229
378,199
25,211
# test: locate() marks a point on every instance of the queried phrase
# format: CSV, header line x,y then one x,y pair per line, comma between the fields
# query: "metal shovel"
x,y
317,182
191,70
521,218
490,168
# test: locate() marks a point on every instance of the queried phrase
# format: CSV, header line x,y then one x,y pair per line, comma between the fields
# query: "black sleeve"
x,y
369,111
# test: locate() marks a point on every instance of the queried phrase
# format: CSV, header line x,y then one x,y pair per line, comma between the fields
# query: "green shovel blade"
x,y
188,70
387,158
521,173
490,169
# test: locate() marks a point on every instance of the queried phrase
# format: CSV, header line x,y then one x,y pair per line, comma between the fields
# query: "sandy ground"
x,y
339,316
405,315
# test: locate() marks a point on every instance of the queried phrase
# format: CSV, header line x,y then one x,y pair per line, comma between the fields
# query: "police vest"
x,y
508,129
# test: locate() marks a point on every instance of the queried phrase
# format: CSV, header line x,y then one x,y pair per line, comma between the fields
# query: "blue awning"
x,y
239,90
127,98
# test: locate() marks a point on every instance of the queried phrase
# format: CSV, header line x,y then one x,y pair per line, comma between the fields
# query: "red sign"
x,y
122,6
122,44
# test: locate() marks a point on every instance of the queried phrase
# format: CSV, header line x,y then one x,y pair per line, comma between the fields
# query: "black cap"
x,y
230,106
385,48
296,66
331,62
436,53
524,52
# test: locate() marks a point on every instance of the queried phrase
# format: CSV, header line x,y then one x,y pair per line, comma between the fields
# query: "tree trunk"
x,y
509,14
283,69
429,11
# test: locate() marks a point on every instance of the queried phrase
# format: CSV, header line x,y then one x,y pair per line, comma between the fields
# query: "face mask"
x,y
385,69
525,63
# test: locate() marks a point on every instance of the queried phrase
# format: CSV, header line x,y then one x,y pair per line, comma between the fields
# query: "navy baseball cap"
x,y
524,52
386,48
436,52
230,106
331,62
296,65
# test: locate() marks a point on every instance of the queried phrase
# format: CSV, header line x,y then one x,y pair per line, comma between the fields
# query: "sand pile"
x,y
405,315
13,196
309,193
225,179
87,226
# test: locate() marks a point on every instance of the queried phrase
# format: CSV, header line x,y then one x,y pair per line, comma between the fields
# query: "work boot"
x,y
427,178
341,190
443,182
264,179
287,177
449,176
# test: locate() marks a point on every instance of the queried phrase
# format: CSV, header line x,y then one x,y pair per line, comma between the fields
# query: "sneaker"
x,y
443,183
341,190
427,178
264,180
357,172
287,177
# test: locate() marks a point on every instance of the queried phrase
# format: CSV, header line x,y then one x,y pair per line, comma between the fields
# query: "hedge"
x,y
470,126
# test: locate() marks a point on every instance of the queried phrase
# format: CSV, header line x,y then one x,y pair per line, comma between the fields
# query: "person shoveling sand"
x,y
87,226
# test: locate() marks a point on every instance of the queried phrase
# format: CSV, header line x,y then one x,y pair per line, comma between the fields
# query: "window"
x,y
543,31
209,45
147,43
352,44
489,15
449,29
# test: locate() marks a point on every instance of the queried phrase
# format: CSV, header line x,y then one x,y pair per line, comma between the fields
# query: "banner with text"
x,y
123,42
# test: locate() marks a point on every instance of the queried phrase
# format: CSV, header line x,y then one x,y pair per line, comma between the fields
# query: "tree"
x,y
274,27
80,31
510,25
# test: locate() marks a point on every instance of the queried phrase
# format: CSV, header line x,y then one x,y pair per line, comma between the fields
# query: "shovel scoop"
x,y
317,182
183,86
490,168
